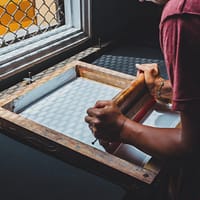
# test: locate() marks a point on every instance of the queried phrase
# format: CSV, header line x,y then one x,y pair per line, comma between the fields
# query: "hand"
x,y
152,76
110,147
105,120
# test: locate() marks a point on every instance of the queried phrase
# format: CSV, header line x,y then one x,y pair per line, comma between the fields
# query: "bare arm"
x,y
167,142
111,125
160,142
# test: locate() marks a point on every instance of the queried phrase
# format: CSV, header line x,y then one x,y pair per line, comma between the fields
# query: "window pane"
x,y
32,31
20,19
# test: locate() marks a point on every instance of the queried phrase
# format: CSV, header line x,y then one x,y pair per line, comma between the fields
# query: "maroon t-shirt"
x,y
180,42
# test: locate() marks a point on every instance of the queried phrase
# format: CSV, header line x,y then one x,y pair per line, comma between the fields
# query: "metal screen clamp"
x,y
30,79
94,141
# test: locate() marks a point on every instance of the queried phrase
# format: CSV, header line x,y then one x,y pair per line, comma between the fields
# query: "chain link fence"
x,y
21,19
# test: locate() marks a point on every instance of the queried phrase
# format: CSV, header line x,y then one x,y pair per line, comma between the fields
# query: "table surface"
x,y
29,174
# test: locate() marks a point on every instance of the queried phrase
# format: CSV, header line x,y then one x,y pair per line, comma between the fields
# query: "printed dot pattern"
x,y
126,64
64,109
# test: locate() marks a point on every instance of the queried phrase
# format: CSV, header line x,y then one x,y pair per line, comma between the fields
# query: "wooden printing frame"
x,y
77,153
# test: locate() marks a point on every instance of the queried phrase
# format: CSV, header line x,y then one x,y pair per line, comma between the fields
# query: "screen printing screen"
x,y
64,110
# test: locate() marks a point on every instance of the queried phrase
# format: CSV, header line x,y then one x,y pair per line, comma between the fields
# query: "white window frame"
x,y
24,54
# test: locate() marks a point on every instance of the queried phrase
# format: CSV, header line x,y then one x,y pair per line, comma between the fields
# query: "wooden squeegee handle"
x,y
122,96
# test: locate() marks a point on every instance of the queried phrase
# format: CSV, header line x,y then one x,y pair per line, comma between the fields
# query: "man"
x,y
180,43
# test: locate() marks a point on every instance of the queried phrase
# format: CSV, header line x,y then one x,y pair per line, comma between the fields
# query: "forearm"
x,y
160,142
163,90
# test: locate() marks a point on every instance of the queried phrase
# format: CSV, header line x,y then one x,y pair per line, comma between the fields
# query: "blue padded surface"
x,y
126,64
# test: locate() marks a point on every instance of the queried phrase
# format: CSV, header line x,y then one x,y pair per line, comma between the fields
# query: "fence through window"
x,y
21,19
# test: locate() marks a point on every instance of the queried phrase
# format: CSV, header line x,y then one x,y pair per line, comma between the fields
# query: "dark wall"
x,y
111,19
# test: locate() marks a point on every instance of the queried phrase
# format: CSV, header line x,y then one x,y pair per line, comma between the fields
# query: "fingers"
x,y
94,115
93,112
106,144
151,74
92,125
102,119
92,121
149,68
101,108
139,67
101,104
139,72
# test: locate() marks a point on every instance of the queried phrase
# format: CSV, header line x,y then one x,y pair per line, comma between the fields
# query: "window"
x,y
32,31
